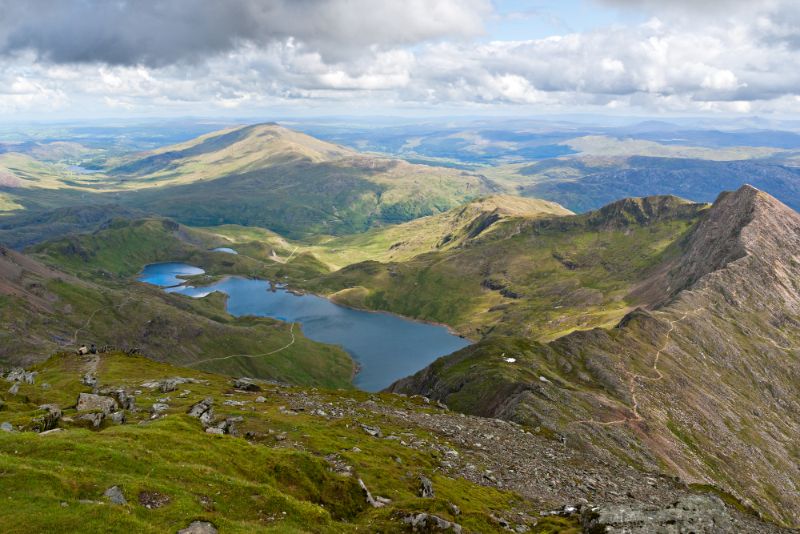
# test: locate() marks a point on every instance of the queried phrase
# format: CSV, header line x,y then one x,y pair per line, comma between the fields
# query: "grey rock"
x,y
114,494
118,417
14,389
370,500
49,420
20,375
700,514
158,408
203,410
425,487
89,380
261,399
199,527
430,523
96,419
246,384
373,431
90,402
6,427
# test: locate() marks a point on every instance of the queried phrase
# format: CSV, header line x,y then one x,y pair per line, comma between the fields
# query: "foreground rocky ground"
x,y
101,443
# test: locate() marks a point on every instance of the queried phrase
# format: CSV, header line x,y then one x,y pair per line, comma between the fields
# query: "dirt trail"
x,y
92,316
291,333
633,377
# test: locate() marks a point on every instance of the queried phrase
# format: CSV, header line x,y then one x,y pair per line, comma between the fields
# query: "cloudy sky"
x,y
114,58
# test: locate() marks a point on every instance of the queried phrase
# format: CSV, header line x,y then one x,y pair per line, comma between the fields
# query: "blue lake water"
x,y
386,346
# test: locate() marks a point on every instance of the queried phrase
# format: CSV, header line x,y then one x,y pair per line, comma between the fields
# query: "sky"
x,y
129,58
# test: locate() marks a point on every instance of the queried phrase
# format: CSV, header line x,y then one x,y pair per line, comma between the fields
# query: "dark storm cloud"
x,y
162,32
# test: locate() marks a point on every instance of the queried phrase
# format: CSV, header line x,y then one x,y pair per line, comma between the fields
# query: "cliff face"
x,y
703,384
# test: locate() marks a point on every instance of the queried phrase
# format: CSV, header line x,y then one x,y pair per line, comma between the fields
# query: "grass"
x,y
56,482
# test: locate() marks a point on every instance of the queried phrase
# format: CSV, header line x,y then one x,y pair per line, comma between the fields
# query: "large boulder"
x,y
700,514
203,410
199,527
88,402
246,384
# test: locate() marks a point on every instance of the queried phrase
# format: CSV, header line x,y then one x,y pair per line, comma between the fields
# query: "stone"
x,y
49,420
6,427
126,402
20,375
114,494
158,408
261,399
14,389
199,527
53,431
89,380
89,402
370,500
701,514
118,417
425,487
96,419
373,431
430,523
203,410
246,384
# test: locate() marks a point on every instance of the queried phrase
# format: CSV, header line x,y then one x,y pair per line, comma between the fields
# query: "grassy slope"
x,y
46,310
392,243
558,274
265,484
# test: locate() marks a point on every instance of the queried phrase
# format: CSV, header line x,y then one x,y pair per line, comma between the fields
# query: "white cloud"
x,y
348,53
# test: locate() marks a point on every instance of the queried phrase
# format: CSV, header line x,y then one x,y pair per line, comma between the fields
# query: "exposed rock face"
x,y
204,411
199,527
114,494
430,523
703,384
246,384
49,419
698,514
88,402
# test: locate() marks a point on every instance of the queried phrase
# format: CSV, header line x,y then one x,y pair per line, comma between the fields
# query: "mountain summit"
x,y
689,383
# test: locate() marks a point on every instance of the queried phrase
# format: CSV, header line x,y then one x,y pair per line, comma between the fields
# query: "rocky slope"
x,y
701,383
116,443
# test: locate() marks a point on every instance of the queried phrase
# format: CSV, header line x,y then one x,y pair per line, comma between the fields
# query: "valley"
x,y
616,331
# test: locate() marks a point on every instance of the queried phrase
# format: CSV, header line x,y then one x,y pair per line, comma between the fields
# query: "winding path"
x,y
92,316
633,377
291,332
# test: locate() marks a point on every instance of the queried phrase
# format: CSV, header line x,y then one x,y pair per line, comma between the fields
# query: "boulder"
x,y
199,527
373,431
96,418
6,427
425,487
203,410
158,408
47,421
114,494
430,523
88,402
20,375
118,417
701,514
246,384
14,389
89,380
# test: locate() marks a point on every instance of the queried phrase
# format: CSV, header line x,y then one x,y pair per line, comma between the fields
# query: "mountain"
x,y
582,184
260,175
541,276
700,381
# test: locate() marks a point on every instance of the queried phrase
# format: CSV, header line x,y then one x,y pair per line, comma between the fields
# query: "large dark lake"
x,y
386,346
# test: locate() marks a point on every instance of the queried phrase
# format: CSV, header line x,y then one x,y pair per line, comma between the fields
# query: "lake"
x,y
386,346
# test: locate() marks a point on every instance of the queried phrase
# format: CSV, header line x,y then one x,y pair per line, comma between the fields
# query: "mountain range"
x,y
634,359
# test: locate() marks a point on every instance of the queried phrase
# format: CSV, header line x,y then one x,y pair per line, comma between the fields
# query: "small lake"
x,y
226,250
386,346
